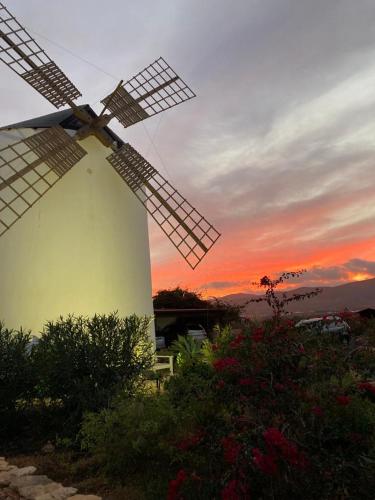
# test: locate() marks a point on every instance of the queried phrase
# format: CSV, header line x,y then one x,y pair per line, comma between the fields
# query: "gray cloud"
x,y
359,265
277,149
220,284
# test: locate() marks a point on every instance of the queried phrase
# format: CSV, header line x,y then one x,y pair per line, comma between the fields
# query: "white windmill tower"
x,y
83,248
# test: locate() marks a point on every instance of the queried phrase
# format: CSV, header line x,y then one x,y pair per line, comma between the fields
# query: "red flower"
x,y
367,386
246,381
190,441
316,410
231,449
266,463
343,400
231,491
237,342
275,440
226,364
355,437
279,387
175,485
258,334
273,437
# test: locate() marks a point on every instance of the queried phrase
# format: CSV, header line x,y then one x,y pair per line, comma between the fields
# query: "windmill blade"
x,y
187,229
153,90
29,168
24,56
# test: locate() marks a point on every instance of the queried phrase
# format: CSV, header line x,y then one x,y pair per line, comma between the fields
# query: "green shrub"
x,y
135,437
187,351
16,373
82,363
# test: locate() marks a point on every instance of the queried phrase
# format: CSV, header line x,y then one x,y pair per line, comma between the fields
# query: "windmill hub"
x,y
95,127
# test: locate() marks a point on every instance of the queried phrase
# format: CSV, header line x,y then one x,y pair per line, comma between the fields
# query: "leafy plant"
x,y
187,350
135,437
82,363
16,372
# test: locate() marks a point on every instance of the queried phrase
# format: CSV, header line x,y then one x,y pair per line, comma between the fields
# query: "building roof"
x,y
65,119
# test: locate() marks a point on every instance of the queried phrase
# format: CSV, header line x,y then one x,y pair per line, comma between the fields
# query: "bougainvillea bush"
x,y
292,417
268,413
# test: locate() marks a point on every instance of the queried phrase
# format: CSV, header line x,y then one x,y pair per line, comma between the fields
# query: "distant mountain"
x,y
352,296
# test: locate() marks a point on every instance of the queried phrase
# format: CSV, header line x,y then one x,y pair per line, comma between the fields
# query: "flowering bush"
x,y
269,413
284,414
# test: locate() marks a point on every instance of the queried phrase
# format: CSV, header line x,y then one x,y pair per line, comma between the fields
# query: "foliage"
x,y
16,375
281,414
135,437
270,412
231,311
83,362
278,301
187,351
178,298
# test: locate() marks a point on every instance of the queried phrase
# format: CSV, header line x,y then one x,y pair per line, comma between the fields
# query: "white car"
x,y
196,331
328,324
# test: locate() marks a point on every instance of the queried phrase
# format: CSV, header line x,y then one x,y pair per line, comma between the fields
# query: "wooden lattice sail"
x,y
186,228
29,168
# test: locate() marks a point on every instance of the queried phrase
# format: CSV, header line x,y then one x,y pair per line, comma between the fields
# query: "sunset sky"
x,y
278,148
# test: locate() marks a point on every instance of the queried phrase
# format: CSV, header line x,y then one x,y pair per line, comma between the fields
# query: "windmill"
x,y
34,188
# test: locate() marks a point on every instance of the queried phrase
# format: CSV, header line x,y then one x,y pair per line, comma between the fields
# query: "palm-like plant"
x,y
187,351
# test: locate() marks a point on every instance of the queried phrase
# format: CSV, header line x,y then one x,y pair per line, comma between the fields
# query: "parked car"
x,y
327,324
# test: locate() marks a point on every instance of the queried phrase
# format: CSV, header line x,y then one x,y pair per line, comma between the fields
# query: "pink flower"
x,y
343,400
226,364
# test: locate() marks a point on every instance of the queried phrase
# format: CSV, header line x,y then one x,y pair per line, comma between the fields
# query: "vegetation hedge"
x,y
16,373
79,364
267,413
